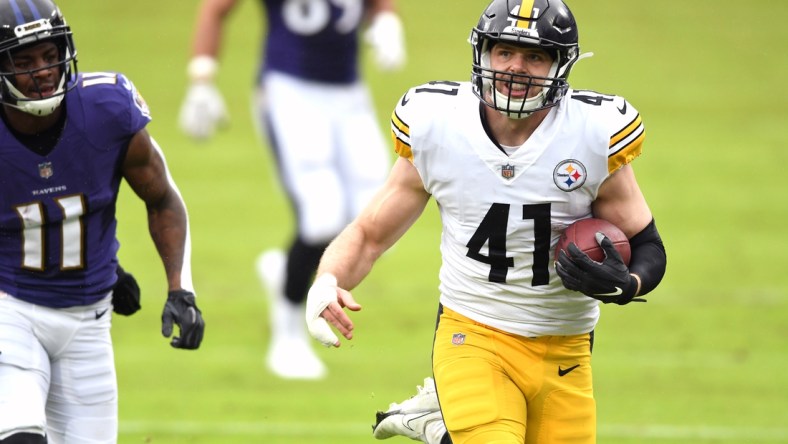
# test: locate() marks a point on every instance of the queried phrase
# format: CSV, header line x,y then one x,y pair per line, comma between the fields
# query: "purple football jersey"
x,y
57,211
313,40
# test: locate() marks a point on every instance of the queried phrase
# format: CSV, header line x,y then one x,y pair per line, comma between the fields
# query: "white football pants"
x,y
330,150
57,372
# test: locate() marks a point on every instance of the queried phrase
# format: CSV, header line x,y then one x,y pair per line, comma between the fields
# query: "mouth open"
x,y
43,92
516,87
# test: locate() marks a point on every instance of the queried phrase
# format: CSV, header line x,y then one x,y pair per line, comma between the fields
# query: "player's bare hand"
x,y
336,316
325,306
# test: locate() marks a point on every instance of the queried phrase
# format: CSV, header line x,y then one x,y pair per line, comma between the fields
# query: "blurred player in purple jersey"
x,y
67,139
320,123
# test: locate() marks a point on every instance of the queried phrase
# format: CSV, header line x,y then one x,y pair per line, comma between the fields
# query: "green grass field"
x,y
702,362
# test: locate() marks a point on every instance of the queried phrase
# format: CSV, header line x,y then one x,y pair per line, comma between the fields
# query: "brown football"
x,y
583,233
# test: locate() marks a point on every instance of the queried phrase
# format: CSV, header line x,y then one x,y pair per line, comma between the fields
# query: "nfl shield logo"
x,y
45,170
458,339
507,171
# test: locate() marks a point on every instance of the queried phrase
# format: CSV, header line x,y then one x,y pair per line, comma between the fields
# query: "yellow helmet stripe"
x,y
526,10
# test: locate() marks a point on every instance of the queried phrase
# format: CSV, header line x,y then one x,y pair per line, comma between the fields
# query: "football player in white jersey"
x,y
511,158
318,118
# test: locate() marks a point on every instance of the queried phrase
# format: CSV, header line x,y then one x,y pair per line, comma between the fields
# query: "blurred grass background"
x,y
702,362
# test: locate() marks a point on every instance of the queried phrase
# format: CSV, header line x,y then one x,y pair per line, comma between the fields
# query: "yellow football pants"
x,y
499,388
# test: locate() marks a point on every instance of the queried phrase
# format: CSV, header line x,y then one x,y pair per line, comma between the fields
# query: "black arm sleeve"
x,y
649,259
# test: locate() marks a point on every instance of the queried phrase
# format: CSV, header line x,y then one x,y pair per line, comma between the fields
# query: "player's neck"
x,y
513,132
26,123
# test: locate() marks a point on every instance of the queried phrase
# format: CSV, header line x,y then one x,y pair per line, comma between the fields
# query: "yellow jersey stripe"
x,y
626,145
397,123
627,130
626,153
402,149
400,134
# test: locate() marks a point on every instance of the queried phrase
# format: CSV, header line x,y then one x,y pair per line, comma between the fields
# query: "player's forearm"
x,y
169,229
209,27
349,257
649,259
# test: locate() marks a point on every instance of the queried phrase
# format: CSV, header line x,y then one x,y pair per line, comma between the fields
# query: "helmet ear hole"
x,y
563,23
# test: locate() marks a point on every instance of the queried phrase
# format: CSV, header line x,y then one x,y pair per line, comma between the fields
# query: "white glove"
x,y
387,38
203,110
323,292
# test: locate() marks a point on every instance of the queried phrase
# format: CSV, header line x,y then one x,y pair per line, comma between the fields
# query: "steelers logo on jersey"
x,y
569,175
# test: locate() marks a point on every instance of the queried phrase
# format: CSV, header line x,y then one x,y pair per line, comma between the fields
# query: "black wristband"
x,y
649,259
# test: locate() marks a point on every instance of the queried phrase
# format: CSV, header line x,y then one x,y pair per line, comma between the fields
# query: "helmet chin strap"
x,y
37,107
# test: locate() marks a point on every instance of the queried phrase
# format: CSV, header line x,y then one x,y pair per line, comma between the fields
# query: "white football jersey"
x,y
502,215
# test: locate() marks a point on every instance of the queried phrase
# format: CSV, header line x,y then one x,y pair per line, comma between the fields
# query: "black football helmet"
x,y
25,23
545,24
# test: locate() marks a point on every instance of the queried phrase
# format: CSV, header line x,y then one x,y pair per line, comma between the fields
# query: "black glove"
x,y
182,309
607,281
125,294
